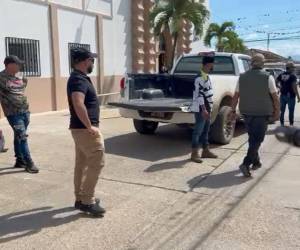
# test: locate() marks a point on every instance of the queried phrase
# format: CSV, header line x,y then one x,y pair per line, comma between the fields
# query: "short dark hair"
x,y
208,59
13,59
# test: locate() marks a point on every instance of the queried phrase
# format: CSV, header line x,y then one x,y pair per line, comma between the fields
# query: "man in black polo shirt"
x,y
84,126
288,89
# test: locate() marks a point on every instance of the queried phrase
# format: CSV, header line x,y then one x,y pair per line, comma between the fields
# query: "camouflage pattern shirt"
x,y
12,94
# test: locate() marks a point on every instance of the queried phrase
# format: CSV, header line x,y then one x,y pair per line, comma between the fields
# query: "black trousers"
x,y
256,127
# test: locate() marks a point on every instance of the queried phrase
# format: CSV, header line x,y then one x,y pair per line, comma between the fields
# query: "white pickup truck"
x,y
150,99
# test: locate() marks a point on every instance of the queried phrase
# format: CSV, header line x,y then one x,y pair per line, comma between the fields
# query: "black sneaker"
x,y
245,170
20,163
78,204
31,168
256,165
93,209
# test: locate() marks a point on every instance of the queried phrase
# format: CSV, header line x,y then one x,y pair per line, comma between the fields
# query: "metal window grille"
x,y
27,50
74,46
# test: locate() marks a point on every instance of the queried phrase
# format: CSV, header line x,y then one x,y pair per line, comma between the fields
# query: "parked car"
x,y
150,99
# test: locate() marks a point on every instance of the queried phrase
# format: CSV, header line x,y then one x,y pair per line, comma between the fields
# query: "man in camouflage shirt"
x,y
16,109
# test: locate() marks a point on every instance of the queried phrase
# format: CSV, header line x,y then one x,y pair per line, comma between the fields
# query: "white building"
x,y
42,32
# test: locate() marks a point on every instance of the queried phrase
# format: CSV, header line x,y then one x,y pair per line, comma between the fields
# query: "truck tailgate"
x,y
154,105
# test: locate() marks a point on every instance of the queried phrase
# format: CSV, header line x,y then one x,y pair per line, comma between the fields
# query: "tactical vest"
x,y
255,97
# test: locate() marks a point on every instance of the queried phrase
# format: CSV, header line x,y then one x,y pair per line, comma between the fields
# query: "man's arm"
x,y
235,100
276,105
275,98
295,88
81,111
236,97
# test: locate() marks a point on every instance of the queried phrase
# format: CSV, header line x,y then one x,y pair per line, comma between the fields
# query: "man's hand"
x,y
298,99
94,131
205,114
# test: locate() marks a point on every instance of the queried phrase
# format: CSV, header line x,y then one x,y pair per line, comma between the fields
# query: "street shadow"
x,y
216,181
169,141
4,171
166,166
25,223
271,132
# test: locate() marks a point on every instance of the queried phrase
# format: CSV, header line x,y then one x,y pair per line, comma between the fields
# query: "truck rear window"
x,y
192,65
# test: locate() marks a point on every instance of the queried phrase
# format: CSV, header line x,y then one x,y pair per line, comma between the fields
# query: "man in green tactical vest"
x,y
258,104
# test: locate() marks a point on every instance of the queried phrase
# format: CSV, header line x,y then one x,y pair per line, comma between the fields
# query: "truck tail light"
x,y
122,83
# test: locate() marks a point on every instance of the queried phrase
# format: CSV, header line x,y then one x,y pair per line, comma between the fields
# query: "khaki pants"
x,y
88,164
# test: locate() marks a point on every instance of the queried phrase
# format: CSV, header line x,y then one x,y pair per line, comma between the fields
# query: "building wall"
x,y
23,24
117,47
118,30
59,23
100,6
75,27
70,3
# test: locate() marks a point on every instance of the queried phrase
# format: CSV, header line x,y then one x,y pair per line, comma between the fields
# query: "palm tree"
x,y
221,33
168,16
234,44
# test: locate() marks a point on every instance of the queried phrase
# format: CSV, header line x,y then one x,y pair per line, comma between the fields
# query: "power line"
x,y
272,33
273,39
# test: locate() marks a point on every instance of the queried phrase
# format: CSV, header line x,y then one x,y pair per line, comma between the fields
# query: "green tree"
x,y
168,16
222,33
234,44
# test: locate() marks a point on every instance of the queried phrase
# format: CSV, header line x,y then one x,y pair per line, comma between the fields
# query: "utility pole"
x,y
268,42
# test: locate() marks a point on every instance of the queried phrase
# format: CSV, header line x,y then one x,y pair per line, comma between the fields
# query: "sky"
x,y
255,18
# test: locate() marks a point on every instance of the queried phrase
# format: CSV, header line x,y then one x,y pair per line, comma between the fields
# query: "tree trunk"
x,y
174,50
219,45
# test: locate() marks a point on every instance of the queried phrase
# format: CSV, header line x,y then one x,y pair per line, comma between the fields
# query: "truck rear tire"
x,y
145,127
222,130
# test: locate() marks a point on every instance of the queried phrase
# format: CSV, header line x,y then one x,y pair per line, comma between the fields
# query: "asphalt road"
x,y
156,198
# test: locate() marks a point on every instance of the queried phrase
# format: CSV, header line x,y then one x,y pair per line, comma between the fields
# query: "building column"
x,y
100,60
137,31
56,103
150,55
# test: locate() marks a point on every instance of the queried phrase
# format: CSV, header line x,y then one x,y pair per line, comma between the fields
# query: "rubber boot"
x,y
206,153
195,157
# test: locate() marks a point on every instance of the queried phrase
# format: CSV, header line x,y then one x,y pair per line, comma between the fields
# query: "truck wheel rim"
x,y
228,128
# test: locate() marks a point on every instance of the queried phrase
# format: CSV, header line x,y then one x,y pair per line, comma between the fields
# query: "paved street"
x,y
155,197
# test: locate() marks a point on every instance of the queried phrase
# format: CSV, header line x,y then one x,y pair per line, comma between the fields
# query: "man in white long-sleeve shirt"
x,y
202,106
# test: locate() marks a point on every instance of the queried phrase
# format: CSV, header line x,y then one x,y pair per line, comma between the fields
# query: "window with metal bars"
x,y
27,50
74,46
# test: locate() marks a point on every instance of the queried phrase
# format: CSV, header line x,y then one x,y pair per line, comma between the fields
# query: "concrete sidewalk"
x,y
156,198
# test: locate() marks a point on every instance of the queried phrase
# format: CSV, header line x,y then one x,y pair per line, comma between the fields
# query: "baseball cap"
x,y
258,60
81,54
13,59
208,57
